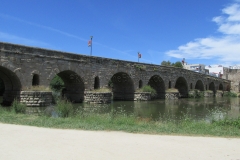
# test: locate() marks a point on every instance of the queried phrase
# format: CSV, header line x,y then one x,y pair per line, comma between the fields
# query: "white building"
x,y
196,68
215,70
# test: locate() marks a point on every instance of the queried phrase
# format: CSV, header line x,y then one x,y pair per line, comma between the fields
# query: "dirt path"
x,y
28,143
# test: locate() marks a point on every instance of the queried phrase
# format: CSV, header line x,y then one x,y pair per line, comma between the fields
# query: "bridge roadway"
x,y
23,66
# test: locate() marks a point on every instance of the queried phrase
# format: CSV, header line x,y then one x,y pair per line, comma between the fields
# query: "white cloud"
x,y
224,49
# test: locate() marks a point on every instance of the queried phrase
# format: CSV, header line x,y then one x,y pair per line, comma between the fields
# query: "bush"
x,y
148,88
18,107
228,122
230,94
57,84
64,108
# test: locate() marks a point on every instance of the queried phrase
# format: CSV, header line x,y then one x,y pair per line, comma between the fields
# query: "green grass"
x,y
172,90
121,121
100,90
37,88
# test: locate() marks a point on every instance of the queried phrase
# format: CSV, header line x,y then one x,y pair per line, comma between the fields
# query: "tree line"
x,y
168,63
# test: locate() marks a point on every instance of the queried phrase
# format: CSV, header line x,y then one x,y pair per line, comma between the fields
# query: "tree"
x,y
57,83
166,63
178,64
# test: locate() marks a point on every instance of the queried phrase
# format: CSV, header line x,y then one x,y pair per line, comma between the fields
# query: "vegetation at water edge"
x,y
147,88
69,117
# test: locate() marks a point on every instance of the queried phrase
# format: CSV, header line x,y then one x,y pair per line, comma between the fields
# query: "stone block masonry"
x,y
36,98
98,97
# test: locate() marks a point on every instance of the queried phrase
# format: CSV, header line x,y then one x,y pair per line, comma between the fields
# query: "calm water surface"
x,y
199,109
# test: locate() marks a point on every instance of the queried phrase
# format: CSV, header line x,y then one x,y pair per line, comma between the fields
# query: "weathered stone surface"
x,y
44,98
172,95
142,96
98,97
219,93
208,94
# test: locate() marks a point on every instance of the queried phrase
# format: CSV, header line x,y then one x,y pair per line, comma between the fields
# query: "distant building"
x,y
215,70
196,68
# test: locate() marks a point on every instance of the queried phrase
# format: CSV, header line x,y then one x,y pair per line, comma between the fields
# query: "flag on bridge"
x,y
89,43
139,55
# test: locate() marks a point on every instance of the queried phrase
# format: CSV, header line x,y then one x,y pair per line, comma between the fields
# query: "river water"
x,y
198,109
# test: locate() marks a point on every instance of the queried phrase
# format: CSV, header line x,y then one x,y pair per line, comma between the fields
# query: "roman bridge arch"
x,y
157,83
182,86
199,85
11,83
122,86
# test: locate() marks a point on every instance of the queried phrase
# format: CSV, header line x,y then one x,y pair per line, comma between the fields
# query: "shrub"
x,y
18,107
64,108
148,88
230,94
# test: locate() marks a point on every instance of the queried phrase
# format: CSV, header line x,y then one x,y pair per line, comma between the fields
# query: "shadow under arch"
x,y
181,85
96,83
212,87
123,87
12,85
157,83
199,85
220,87
73,86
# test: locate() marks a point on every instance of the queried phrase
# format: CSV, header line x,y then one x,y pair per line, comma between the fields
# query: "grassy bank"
x,y
89,120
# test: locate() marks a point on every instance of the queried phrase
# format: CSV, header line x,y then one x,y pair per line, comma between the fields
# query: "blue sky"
x,y
201,31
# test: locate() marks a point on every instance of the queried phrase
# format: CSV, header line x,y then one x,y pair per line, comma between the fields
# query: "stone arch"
x,y
122,86
191,86
182,86
96,83
157,83
212,87
35,80
220,87
73,86
199,85
12,85
140,84
169,84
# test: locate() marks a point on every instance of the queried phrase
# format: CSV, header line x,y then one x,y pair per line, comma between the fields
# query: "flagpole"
x,y
91,37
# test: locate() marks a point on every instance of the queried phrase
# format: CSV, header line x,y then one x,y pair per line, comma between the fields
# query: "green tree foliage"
x,y
57,83
178,64
168,63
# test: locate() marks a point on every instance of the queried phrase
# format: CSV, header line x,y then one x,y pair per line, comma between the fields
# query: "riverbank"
x,y
128,123
25,142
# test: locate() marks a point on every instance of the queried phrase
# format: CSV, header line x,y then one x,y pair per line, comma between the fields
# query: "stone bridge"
x,y
23,66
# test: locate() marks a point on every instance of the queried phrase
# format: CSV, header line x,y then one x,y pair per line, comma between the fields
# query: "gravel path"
x,y
28,143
